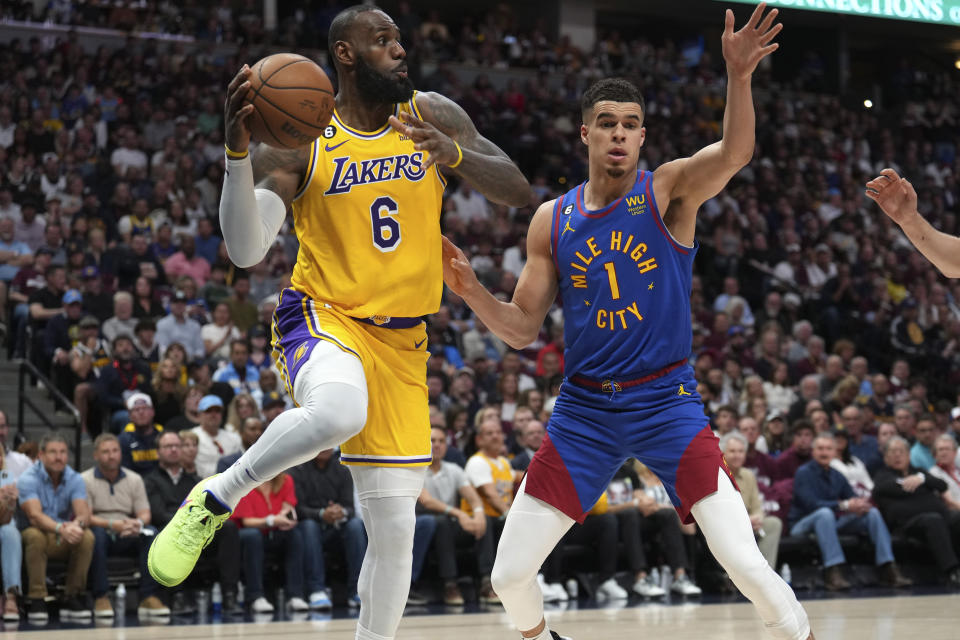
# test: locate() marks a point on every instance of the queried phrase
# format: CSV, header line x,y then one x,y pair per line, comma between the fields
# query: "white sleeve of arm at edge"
x,y
250,219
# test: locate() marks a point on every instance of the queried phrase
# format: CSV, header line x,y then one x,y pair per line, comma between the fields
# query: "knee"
x,y
825,514
33,537
355,528
340,408
250,537
88,540
507,577
10,536
772,526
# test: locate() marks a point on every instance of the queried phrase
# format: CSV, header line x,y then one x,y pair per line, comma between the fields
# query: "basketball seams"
x,y
261,99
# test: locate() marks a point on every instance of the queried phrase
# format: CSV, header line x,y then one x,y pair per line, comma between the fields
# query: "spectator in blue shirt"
x,y
54,499
921,453
178,327
824,503
242,376
13,255
863,446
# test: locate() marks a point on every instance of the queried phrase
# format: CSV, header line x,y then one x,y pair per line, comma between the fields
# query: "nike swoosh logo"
x,y
417,344
329,148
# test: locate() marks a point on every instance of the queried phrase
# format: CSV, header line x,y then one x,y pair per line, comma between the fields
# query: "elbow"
x,y
519,341
242,259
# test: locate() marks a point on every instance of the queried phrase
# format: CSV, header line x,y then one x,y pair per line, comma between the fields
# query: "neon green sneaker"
x,y
176,549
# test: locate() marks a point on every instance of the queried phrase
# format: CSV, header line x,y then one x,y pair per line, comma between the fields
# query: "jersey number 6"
x,y
386,229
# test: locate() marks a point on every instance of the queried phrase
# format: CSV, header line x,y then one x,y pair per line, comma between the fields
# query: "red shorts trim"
x,y
547,479
697,472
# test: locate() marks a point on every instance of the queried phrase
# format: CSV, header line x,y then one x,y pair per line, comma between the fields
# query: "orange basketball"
x,y
292,99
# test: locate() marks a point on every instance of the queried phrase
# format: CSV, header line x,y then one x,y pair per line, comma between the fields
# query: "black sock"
x,y
213,505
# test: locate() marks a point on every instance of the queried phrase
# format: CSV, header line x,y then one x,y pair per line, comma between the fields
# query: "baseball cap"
x,y
735,330
466,371
271,399
179,296
209,401
88,321
45,251
793,246
776,414
90,271
258,331
138,400
955,413
791,299
72,296
822,247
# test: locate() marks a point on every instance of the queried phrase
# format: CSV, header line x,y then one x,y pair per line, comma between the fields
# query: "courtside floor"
x,y
926,617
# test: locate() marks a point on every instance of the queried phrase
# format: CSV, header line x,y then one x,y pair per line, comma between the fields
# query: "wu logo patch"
x,y
299,353
636,205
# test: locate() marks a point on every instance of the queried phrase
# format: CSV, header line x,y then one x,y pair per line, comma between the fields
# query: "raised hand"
x,y
744,49
894,194
426,137
235,112
457,272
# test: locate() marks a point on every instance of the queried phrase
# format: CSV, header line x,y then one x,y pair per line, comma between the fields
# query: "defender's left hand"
x,y
743,49
426,137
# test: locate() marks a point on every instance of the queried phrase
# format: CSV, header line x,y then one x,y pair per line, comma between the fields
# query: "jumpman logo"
x,y
566,228
683,392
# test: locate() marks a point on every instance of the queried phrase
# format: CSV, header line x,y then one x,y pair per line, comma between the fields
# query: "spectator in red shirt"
x,y
268,520
554,346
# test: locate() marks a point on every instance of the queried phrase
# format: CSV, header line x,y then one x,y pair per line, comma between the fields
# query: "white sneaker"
x,y
610,589
552,592
685,587
298,604
647,588
261,605
320,600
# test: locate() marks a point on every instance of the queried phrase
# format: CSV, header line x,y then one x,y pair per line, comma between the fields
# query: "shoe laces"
x,y
196,529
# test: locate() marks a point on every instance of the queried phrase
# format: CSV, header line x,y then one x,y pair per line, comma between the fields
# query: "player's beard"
x,y
616,172
377,87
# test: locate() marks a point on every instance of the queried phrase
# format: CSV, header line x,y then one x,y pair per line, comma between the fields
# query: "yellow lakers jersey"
x,y
367,217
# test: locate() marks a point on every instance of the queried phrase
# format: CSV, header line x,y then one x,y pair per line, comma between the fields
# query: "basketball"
x,y
292,99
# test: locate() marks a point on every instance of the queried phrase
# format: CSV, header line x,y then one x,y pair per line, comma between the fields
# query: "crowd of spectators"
x,y
817,329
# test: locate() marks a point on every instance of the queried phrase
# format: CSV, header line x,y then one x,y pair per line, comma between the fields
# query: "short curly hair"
x,y
614,89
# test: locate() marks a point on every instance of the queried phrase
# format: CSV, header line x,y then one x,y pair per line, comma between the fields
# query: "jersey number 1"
x,y
386,229
612,276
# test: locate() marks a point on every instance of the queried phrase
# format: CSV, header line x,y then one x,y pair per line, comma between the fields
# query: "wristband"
x,y
478,510
110,524
447,510
57,528
140,522
459,156
236,155
270,520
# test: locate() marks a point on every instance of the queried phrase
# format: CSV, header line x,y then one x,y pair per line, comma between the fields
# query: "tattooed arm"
x,y
484,164
251,216
280,170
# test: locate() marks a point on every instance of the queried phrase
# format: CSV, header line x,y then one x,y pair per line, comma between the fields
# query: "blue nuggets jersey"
x,y
624,282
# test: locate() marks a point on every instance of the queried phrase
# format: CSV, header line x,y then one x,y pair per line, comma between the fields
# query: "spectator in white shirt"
x,y
469,204
213,441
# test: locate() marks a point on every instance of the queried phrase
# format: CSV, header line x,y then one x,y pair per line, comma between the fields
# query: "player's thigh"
x,y
683,452
577,459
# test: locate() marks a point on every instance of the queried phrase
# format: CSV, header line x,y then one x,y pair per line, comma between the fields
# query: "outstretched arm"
x,y
255,196
516,322
692,181
483,164
896,197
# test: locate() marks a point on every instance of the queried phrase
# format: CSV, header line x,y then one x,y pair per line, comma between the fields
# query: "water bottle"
x,y
786,574
121,600
216,598
240,594
573,588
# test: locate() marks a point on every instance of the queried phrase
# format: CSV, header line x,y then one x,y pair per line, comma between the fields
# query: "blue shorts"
x,y
591,434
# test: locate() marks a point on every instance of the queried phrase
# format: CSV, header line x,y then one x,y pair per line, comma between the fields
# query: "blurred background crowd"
x,y
812,313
